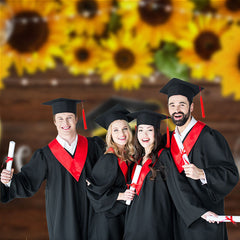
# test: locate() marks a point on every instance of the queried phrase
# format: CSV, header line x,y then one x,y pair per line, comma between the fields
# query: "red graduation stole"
x,y
144,172
122,164
73,165
188,144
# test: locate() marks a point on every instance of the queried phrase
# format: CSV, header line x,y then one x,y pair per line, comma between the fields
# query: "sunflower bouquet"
x,y
124,41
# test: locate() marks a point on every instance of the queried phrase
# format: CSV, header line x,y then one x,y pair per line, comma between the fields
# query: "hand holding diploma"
x,y
193,172
128,195
181,148
224,218
10,155
210,217
134,180
6,174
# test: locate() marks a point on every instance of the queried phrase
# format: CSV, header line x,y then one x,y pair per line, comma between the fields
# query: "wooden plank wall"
x,y
29,123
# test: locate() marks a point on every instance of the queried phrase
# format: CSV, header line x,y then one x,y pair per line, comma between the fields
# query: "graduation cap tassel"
x,y
168,136
84,118
202,107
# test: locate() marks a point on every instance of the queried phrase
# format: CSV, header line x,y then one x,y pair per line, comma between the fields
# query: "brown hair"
x,y
158,145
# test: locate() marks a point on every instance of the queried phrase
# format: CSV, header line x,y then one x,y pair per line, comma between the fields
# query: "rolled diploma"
x,y
222,218
181,148
135,179
10,155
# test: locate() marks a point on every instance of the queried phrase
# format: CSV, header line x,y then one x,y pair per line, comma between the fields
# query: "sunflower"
x,y
230,9
38,31
125,59
88,16
156,20
82,55
227,62
3,68
199,43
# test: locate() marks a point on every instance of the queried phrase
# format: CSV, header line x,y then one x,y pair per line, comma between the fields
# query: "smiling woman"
x,y
120,132
108,191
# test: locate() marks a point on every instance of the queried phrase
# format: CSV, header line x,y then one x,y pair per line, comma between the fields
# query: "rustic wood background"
x,y
29,123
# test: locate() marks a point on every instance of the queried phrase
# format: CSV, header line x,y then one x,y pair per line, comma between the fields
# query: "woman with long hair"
x,y
150,214
107,190
160,192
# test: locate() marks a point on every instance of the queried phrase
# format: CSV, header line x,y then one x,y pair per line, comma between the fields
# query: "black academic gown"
x,y
212,154
150,215
107,222
67,206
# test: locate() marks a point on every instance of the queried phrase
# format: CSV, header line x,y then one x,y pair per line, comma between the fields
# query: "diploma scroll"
x,y
181,148
135,179
223,218
10,155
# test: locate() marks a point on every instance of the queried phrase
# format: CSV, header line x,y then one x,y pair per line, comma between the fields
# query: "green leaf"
x,y
114,23
201,4
167,63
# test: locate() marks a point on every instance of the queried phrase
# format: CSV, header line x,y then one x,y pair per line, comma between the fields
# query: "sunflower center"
x,y
233,5
206,44
82,54
124,58
155,12
87,8
30,32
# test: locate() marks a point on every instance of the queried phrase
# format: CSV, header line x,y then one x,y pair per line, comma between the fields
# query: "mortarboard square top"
x,y
179,87
60,105
148,117
115,113
132,105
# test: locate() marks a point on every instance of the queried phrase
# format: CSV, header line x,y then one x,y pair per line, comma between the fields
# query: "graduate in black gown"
x,y
107,190
211,171
160,192
64,163
150,214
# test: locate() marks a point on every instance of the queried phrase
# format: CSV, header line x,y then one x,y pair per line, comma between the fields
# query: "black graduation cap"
x,y
117,112
148,117
129,104
60,105
179,87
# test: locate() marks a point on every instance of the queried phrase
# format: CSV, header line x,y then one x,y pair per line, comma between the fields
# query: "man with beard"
x,y
211,171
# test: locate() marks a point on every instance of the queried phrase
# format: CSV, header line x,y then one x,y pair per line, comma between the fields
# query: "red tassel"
x,y
84,118
168,138
135,128
202,107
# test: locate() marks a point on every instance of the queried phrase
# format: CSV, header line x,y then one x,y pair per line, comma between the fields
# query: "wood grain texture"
x,y
27,122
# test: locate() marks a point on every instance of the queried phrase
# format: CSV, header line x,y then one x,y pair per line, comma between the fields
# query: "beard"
x,y
181,121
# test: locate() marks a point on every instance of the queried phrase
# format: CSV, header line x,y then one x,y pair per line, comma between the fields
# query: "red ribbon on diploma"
x,y
134,185
230,218
182,152
9,159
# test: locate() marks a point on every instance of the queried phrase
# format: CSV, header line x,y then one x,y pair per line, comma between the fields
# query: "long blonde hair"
x,y
129,150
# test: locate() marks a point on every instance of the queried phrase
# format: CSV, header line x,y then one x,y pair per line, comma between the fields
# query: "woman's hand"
x,y
127,195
